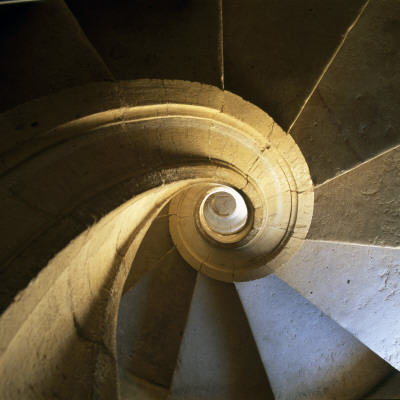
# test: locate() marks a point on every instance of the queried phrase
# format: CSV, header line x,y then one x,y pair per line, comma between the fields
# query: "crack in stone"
x,y
335,53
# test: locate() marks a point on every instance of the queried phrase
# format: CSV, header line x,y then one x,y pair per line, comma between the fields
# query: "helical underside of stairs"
x,y
113,284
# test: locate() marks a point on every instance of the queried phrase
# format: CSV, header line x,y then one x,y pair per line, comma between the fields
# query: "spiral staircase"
x,y
200,199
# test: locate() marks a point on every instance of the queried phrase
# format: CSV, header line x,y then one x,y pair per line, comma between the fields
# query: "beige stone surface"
x,y
218,358
293,336
370,214
355,285
72,323
112,169
275,51
152,317
353,115
85,168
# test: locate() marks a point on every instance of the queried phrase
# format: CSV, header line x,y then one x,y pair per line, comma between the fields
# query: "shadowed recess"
x,y
172,39
151,319
283,47
46,51
155,247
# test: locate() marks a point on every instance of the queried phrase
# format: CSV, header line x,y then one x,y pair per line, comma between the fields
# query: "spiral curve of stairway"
x,y
133,133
